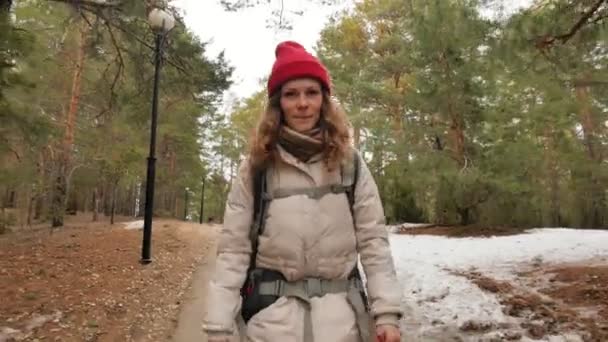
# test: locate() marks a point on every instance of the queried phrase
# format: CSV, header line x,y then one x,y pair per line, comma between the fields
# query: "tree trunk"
x,y
588,124
12,202
38,206
552,169
132,200
465,217
113,206
124,203
3,224
40,193
58,194
456,135
357,136
594,217
107,199
30,205
554,209
65,159
95,204
142,199
175,208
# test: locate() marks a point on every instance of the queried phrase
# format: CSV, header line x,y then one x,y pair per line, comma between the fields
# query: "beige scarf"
x,y
303,145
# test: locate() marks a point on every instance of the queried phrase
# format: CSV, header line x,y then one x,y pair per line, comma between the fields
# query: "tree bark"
x,y
464,216
58,194
588,124
65,159
594,217
142,199
30,205
552,169
456,135
95,204
113,206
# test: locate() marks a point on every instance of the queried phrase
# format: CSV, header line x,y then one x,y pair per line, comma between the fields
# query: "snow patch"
x,y
399,227
36,321
134,224
436,300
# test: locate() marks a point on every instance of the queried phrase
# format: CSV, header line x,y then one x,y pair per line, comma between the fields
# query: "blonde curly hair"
x,y
335,132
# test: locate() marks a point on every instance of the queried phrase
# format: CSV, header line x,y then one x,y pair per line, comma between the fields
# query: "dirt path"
x,y
193,304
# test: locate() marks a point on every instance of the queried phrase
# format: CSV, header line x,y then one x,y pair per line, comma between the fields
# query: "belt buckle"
x,y
313,287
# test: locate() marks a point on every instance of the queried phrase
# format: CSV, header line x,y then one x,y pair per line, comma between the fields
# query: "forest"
x,y
465,116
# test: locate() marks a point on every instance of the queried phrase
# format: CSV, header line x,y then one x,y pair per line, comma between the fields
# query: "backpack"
x,y
252,303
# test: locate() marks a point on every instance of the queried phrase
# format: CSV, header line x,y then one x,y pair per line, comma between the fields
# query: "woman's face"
x,y
301,101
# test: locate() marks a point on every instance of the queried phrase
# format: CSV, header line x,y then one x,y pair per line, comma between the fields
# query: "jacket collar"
x,y
295,162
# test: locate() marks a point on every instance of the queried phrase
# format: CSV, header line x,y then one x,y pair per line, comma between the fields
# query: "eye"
x,y
313,92
289,93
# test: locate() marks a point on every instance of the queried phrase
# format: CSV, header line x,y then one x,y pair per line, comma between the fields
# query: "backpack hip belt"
x,y
307,288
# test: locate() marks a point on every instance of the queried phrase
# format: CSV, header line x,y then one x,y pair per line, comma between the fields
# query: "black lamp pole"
x,y
145,250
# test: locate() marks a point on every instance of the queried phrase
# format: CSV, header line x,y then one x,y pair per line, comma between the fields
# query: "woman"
x,y
306,254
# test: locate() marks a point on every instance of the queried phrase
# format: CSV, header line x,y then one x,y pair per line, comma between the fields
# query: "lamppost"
x,y
161,22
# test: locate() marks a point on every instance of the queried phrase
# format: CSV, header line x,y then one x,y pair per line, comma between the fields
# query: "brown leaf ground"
x,y
84,282
461,231
575,299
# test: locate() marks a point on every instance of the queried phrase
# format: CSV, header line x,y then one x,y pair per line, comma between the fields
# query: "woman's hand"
x,y
387,333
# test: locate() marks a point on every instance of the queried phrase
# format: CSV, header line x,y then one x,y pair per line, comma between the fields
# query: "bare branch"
x,y
548,40
142,42
93,3
95,6
86,19
600,18
119,71
565,37
12,150
588,83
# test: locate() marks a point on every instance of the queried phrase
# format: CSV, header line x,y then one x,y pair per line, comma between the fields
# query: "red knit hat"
x,y
293,61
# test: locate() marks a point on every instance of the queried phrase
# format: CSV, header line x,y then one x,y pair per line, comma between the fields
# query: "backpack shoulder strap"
x,y
350,176
355,167
259,211
351,172
259,187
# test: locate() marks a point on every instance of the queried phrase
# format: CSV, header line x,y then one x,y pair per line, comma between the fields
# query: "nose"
x,y
302,101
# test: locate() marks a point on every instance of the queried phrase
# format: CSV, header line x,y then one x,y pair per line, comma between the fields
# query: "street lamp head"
x,y
161,20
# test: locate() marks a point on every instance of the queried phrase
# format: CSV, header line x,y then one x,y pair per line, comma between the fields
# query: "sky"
x,y
248,43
